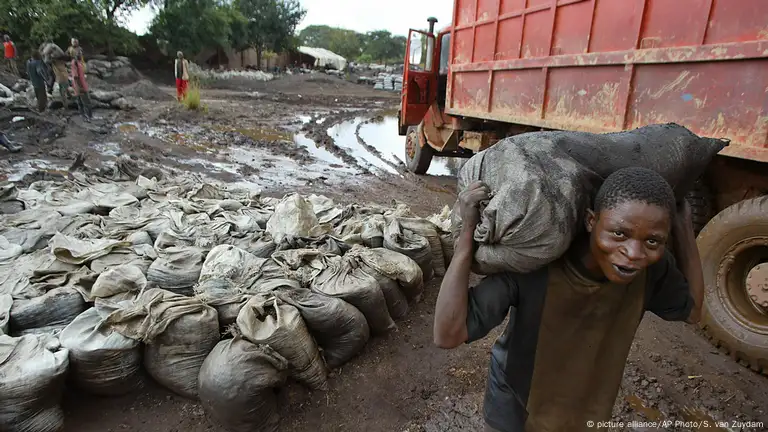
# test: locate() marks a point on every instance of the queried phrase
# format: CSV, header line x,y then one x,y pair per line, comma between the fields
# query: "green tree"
x,y
192,25
111,11
382,46
32,22
271,24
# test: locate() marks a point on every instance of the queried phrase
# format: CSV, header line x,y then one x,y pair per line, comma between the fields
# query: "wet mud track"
x,y
340,141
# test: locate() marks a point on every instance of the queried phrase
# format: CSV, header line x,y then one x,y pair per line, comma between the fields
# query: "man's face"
x,y
627,238
7,38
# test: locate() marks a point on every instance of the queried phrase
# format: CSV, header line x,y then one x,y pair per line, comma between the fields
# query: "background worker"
x,y
181,70
37,76
56,58
79,83
10,55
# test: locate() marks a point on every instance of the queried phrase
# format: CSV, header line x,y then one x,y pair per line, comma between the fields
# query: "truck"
x,y
505,67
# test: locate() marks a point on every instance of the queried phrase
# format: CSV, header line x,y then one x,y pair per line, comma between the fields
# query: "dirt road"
x,y
317,135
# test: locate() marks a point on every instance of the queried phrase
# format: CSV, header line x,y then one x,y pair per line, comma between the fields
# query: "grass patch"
x,y
192,99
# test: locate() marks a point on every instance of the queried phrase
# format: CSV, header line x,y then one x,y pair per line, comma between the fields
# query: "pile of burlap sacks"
x,y
217,294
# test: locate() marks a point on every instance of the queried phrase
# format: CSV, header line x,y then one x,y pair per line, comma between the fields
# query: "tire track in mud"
x,y
373,150
318,133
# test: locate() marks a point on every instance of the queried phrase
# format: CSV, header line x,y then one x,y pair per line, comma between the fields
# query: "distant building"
x,y
230,59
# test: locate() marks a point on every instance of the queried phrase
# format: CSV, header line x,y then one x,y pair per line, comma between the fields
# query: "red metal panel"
x,y
586,97
485,42
471,91
700,63
465,11
462,44
509,6
715,99
747,21
508,43
517,93
616,25
572,28
537,30
487,10
674,23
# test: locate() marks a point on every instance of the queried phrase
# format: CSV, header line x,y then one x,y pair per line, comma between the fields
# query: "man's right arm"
x,y
459,314
450,328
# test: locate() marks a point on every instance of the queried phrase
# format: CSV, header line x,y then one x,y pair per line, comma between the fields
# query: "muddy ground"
x,y
318,134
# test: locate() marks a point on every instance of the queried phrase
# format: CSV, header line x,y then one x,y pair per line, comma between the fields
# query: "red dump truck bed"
x,y
610,65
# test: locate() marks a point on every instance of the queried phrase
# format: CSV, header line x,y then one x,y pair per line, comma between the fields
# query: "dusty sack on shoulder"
x,y
542,183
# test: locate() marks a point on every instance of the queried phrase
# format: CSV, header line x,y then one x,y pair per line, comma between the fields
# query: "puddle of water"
x,y
107,148
261,134
344,136
316,151
383,136
209,165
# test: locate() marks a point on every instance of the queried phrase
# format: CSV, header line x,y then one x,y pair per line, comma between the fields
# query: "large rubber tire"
x,y
417,158
731,244
702,205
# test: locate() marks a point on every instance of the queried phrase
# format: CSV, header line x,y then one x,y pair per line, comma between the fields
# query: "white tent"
x,y
323,57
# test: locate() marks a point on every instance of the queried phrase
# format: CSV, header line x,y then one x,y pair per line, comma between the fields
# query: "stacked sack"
x,y
217,294
543,182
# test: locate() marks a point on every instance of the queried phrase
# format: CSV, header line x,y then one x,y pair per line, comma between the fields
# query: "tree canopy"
x,y
191,26
32,22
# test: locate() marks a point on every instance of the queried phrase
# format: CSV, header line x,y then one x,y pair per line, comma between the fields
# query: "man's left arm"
x,y
678,282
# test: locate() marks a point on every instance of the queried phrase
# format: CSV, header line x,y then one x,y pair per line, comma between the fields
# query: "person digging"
x,y
559,363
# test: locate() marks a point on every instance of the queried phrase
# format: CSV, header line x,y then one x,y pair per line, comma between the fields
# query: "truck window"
x,y
445,52
420,55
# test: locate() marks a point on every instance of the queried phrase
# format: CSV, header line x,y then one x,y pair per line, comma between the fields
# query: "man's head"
x,y
75,42
179,55
36,55
630,223
7,38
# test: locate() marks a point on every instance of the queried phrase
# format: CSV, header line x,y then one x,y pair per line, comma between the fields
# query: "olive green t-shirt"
x,y
560,361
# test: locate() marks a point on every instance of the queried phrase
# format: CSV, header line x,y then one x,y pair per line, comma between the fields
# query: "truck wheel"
x,y
417,158
702,205
734,257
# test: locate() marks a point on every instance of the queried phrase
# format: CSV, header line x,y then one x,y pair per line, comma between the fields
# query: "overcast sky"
x,y
397,16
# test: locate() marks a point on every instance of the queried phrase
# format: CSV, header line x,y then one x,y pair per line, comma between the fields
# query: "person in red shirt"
x,y
10,55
